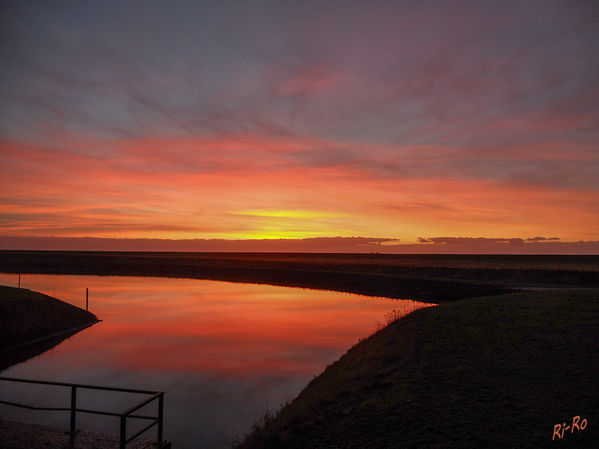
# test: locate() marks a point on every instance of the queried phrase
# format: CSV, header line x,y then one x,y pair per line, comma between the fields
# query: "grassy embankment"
x,y
32,322
495,371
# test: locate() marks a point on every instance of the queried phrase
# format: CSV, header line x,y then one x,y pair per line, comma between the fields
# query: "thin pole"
x,y
73,409
160,417
123,436
19,280
87,299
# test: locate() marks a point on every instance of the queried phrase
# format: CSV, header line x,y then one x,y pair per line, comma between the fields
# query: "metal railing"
x,y
73,409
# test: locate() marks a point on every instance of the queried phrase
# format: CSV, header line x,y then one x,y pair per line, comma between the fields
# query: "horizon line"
x,y
323,245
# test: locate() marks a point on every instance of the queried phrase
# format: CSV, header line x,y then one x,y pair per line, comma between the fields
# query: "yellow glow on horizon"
x,y
123,201
292,224
276,235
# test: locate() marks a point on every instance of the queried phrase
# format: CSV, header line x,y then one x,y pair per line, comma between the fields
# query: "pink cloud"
x,y
307,81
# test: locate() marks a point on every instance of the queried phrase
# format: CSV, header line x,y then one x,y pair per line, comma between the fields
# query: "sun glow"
x,y
292,224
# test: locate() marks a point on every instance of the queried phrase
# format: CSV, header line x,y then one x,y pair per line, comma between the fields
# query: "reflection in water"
x,y
23,352
224,353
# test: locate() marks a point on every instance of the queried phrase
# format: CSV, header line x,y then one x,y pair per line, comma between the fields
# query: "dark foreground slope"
x,y
488,372
31,322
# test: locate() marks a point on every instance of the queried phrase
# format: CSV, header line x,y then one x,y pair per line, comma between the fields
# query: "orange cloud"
x,y
251,186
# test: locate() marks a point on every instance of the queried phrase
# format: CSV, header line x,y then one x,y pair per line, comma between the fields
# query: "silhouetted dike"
x,y
368,274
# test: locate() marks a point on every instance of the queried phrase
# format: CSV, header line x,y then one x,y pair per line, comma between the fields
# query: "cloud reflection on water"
x,y
223,352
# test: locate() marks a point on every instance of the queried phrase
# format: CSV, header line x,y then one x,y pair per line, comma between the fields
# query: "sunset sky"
x,y
412,121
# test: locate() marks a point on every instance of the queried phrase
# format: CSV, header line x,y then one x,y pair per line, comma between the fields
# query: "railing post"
x,y
160,417
155,420
123,438
73,409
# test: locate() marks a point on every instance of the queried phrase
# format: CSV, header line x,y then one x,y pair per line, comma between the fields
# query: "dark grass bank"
x,y
425,278
496,372
32,322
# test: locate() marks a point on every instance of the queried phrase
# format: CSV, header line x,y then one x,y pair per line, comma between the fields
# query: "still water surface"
x,y
224,353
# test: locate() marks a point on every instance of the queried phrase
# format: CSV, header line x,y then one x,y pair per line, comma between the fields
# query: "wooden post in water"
x,y
19,280
86,298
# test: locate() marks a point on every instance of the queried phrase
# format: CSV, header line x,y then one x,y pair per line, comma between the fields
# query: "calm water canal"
x,y
224,353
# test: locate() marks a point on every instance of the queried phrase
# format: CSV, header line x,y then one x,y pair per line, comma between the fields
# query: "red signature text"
x,y
560,430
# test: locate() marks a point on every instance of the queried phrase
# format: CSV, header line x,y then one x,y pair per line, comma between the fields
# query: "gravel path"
x,y
15,435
